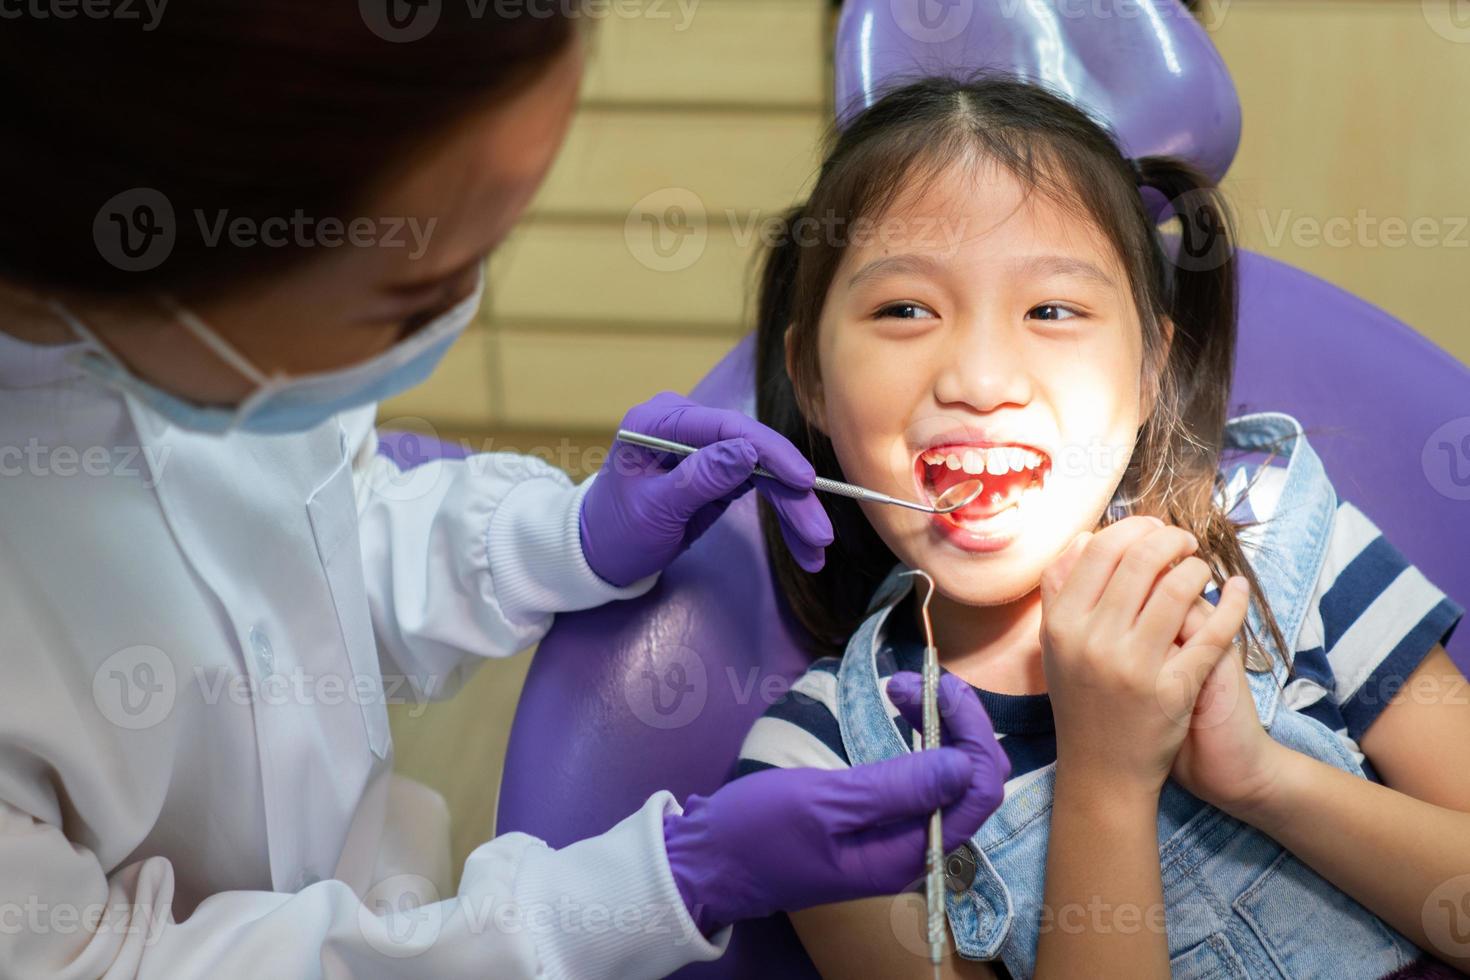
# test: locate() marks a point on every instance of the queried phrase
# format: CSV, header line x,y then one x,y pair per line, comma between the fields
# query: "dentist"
x,y
205,282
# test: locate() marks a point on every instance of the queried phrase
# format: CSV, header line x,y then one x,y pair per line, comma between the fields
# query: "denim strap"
x,y
1293,543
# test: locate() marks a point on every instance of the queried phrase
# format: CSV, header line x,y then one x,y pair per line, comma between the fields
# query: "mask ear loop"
x,y
78,327
217,344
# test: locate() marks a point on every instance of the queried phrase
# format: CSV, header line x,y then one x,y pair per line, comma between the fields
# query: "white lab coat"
x,y
195,764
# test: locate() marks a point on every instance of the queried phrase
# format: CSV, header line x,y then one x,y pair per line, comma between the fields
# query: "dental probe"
x,y
934,856
947,502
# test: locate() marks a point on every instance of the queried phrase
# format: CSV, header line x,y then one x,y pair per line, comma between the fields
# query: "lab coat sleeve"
x,y
85,892
603,907
468,558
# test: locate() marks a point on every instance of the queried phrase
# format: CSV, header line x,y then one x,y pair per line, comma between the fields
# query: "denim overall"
x,y
1238,904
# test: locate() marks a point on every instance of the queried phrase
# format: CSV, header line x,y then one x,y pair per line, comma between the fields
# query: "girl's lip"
x,y
974,438
968,538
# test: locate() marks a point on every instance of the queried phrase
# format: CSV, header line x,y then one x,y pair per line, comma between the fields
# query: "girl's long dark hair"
x,y
910,136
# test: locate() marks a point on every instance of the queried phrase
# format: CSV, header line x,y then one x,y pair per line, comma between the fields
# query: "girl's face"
x,y
977,332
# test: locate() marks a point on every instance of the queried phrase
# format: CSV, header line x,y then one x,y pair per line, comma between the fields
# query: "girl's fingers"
x,y
1079,591
1146,560
1164,614
1221,626
1203,651
1199,611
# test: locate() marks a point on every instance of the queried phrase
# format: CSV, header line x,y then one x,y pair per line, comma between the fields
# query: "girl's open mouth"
x,y
1008,474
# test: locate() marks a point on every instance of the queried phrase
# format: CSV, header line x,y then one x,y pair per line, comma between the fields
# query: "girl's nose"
x,y
983,366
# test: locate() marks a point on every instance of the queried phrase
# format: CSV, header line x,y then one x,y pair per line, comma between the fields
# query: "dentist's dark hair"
x,y
911,136
254,108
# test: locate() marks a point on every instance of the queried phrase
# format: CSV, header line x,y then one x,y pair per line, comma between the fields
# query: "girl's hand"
x,y
1122,690
1227,759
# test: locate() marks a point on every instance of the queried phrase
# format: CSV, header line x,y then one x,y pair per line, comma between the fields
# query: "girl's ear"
x,y
810,403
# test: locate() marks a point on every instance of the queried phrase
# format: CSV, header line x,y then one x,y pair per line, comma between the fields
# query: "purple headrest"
x,y
1145,69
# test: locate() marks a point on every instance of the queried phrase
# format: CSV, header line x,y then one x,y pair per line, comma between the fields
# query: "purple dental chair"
x,y
658,693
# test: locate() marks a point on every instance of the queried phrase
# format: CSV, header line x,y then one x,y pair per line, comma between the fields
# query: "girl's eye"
x,y
1052,311
906,311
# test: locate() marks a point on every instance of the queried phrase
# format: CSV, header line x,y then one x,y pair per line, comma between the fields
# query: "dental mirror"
x,y
952,499
957,496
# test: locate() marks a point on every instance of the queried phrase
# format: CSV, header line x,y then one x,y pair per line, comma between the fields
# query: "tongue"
x,y
999,492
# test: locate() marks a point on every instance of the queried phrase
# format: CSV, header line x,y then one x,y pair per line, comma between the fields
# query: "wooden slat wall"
x,y
1349,106
719,111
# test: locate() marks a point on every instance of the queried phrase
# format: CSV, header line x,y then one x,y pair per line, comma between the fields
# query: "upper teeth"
x,y
997,460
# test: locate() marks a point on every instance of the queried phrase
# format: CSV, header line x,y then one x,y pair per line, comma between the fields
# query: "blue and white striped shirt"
x,y
1373,619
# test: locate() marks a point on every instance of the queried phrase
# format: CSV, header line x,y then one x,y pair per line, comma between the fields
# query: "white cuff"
x,y
612,905
539,521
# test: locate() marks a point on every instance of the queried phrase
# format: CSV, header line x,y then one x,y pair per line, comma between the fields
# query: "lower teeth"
x,y
1020,506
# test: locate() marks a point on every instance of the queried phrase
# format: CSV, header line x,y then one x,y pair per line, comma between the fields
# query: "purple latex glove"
x,y
639,516
783,839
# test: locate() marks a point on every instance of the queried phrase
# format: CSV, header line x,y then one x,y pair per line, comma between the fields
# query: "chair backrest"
x,y
658,693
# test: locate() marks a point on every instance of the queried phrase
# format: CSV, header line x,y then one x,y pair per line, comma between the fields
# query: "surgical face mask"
x,y
282,404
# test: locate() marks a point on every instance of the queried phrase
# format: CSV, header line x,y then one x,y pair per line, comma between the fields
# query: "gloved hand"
x,y
784,839
638,516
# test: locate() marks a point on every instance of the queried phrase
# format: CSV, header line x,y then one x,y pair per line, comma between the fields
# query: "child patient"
x,y
1191,649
